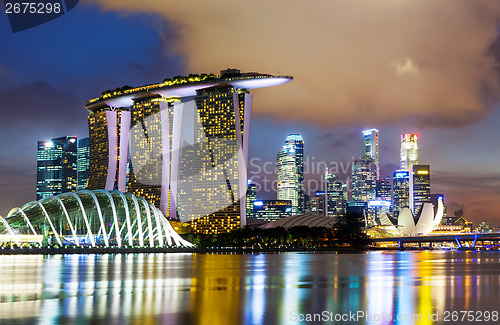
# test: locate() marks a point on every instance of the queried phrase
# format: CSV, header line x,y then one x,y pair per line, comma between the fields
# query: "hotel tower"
x,y
181,144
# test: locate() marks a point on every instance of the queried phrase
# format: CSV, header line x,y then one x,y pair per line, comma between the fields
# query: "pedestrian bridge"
x,y
463,240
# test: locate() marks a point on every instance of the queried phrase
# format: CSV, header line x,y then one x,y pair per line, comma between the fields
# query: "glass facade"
x,y
370,148
364,173
56,166
251,197
290,172
409,151
82,169
420,185
334,197
383,189
318,204
401,194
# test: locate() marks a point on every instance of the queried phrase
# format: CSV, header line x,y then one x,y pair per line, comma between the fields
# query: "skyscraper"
x,y
188,145
364,173
318,204
290,170
420,186
56,167
334,198
251,197
409,151
383,189
400,191
82,168
370,148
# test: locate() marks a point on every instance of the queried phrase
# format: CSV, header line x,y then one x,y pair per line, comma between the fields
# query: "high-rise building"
x,y
56,167
383,189
409,151
400,191
181,144
290,170
345,196
420,186
82,166
307,203
370,148
251,197
270,210
364,173
334,198
318,203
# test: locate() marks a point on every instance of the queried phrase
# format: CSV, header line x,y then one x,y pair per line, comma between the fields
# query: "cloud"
x,y
476,193
406,67
352,61
46,111
18,185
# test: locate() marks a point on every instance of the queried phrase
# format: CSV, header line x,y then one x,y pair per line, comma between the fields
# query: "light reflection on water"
x,y
246,289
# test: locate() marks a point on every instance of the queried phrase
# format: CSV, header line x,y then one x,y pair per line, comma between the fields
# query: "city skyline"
x,y
44,85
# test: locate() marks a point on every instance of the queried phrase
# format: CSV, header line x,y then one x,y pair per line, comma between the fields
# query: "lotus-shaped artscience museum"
x,y
426,220
94,218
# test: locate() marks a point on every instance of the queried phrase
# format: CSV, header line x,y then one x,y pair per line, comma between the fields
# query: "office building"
x,y
251,197
290,172
420,187
364,173
318,203
358,207
400,191
56,167
307,203
334,196
370,148
409,151
383,189
82,165
345,196
181,144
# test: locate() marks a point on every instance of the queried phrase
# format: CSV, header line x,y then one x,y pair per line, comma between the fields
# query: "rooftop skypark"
x,y
182,86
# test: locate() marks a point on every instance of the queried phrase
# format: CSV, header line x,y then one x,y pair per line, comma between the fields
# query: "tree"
x,y
349,230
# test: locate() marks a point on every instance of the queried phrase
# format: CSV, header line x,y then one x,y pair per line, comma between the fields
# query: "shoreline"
x,y
149,250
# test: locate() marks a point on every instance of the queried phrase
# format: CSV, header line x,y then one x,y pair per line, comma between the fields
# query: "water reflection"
x,y
378,288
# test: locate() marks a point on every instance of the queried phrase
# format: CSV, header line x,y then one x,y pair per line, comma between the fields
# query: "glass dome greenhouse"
x,y
91,218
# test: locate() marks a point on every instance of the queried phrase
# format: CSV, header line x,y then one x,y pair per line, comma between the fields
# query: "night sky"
x,y
427,67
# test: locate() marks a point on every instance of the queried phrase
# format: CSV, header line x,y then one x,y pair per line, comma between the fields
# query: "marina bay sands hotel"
x,y
181,144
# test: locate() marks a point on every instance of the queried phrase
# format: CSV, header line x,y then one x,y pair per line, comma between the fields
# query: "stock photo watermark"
x,y
25,14
452,317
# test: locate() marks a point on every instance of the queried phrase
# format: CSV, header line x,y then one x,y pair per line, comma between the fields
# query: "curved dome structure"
x,y
425,222
301,220
95,218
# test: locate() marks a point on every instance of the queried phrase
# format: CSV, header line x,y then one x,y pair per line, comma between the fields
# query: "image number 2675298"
x,y
25,15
